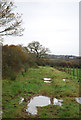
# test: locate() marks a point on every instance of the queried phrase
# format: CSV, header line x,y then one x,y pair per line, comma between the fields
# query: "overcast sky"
x,y
54,24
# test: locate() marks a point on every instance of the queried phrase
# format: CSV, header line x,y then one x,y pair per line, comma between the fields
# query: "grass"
x,y
32,84
77,71
53,111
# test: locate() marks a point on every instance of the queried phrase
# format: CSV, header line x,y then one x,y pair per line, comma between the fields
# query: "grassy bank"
x,y
32,84
76,72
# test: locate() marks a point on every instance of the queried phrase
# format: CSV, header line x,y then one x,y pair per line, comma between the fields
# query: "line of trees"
x,y
19,58
64,63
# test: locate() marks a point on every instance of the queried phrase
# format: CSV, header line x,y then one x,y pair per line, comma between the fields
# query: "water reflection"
x,y
47,80
65,79
37,101
40,101
78,100
21,100
58,101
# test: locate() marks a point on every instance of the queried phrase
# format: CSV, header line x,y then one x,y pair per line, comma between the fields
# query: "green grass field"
x,y
32,84
77,71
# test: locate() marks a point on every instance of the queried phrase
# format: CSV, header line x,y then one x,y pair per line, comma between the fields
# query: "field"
x,y
75,72
31,84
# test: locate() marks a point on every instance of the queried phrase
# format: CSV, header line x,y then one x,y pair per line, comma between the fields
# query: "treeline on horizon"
x,y
17,59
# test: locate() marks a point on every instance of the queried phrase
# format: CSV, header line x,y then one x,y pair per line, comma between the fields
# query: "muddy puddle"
x,y
47,80
65,79
21,100
58,101
78,100
40,101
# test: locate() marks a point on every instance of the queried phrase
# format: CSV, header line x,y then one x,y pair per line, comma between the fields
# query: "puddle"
x,y
40,101
35,102
78,100
58,101
65,80
47,80
22,99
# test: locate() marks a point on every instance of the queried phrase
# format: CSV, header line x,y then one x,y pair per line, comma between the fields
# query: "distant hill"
x,y
61,56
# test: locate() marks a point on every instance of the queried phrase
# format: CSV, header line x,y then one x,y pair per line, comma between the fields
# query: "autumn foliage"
x,y
17,58
14,61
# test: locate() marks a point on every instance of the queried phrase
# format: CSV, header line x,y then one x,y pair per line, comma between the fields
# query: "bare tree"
x,y
10,22
36,48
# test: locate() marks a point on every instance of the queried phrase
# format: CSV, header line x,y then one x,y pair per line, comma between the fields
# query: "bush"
x,y
14,60
13,76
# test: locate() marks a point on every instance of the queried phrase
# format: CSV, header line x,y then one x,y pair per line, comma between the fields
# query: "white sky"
x,y
54,24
